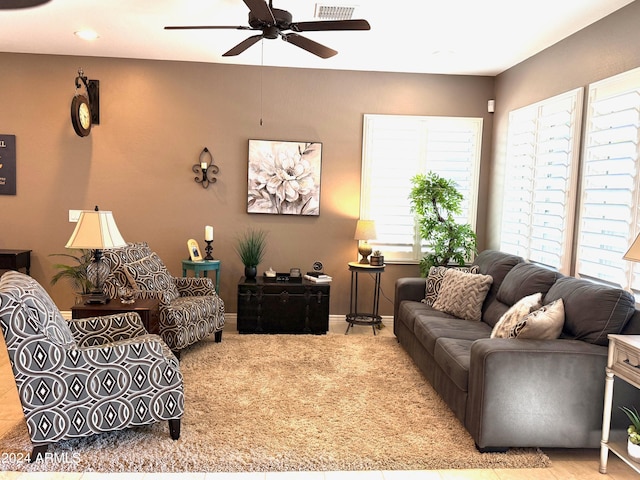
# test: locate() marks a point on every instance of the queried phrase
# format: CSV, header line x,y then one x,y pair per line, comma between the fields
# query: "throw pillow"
x,y
462,294
515,314
543,324
434,281
150,273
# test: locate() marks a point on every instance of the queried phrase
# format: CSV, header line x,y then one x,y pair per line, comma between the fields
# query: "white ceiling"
x,y
475,37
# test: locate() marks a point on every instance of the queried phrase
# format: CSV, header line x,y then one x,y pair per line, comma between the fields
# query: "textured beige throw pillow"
x,y
544,324
435,278
516,312
462,294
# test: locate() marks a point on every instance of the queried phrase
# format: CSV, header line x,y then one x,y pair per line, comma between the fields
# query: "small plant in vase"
x,y
251,247
376,259
633,433
76,273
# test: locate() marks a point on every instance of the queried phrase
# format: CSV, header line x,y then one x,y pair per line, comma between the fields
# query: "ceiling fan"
x,y
273,22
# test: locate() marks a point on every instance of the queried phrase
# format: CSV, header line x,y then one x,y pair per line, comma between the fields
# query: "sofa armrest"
x,y
524,392
408,288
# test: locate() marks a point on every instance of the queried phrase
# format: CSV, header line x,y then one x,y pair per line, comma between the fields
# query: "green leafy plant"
x,y
435,200
634,429
76,273
251,247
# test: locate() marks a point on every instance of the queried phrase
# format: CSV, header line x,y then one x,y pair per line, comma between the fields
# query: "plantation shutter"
x,y
609,208
540,182
396,148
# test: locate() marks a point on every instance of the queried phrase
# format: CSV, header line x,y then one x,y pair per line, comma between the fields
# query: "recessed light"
x,y
86,34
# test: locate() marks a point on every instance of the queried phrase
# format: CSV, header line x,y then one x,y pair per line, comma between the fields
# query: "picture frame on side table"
x,y
284,177
194,250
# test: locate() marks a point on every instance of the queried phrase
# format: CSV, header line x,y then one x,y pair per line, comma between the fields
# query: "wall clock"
x,y
81,115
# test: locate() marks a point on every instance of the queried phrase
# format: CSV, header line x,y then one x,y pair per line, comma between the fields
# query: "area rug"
x,y
290,403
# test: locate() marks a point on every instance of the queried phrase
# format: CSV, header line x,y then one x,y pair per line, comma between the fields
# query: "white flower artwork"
x,y
284,177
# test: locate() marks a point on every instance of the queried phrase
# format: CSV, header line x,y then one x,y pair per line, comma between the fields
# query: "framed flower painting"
x,y
284,177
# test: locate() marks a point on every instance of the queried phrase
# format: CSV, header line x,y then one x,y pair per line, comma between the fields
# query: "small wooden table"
x,y
623,362
15,260
147,308
202,266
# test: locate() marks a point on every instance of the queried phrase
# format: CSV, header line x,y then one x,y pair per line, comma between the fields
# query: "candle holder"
x,y
208,249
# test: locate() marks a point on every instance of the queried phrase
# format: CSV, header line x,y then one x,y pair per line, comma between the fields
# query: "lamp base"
x,y
365,250
97,298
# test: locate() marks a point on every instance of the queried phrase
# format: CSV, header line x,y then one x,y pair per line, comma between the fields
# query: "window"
x,y
541,179
396,148
609,216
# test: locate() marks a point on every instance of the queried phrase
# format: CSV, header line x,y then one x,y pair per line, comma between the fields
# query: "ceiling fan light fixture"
x,y
87,34
334,12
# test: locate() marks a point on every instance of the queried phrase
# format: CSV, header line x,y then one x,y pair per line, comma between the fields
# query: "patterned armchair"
x,y
190,308
85,376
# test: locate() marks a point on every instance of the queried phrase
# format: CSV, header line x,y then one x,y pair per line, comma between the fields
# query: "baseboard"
x,y
231,320
335,321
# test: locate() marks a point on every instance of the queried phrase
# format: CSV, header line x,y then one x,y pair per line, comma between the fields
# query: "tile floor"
x,y
566,463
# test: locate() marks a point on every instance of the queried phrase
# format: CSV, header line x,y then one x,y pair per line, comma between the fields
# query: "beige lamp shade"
x,y
96,230
633,254
365,230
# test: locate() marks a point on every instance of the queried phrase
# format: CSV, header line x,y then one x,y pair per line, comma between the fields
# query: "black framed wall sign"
x,y
7,164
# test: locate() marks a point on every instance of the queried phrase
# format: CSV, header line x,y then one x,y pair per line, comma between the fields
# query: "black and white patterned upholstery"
x,y
190,308
85,376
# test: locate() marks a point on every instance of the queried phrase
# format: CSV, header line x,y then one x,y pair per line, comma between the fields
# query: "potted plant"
x,y
633,433
76,273
251,247
376,259
435,200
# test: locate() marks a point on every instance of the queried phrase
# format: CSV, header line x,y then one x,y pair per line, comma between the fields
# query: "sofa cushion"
x,y
116,258
591,311
150,273
462,294
435,278
429,328
515,314
525,279
496,264
453,355
543,324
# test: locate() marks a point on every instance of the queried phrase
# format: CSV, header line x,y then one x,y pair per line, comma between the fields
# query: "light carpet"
x,y
290,403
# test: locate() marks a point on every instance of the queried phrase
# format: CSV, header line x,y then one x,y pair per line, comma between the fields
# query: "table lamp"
x,y
365,231
633,254
96,230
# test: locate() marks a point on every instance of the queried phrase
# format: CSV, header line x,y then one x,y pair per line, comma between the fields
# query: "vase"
x,y
633,450
250,272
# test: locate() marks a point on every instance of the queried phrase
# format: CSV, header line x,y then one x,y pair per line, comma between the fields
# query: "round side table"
x,y
354,317
202,266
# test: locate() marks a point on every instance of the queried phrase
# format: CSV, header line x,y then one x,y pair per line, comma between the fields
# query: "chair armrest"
x,y
195,286
408,288
96,331
152,345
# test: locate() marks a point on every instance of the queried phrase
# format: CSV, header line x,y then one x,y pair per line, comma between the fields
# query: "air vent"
x,y
334,12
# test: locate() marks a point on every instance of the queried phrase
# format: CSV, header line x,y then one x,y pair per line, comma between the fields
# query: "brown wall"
x,y
156,117
606,48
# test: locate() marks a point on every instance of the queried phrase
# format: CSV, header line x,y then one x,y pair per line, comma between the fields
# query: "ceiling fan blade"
x,y
14,4
309,45
330,25
242,46
207,27
260,10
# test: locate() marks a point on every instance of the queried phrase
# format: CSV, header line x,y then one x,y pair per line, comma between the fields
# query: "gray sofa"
x,y
521,392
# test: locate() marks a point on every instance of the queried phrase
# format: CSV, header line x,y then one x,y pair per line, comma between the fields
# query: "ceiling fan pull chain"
x,y
261,76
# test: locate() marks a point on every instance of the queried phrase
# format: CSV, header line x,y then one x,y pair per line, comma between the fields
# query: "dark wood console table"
x,y
282,307
15,260
147,308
